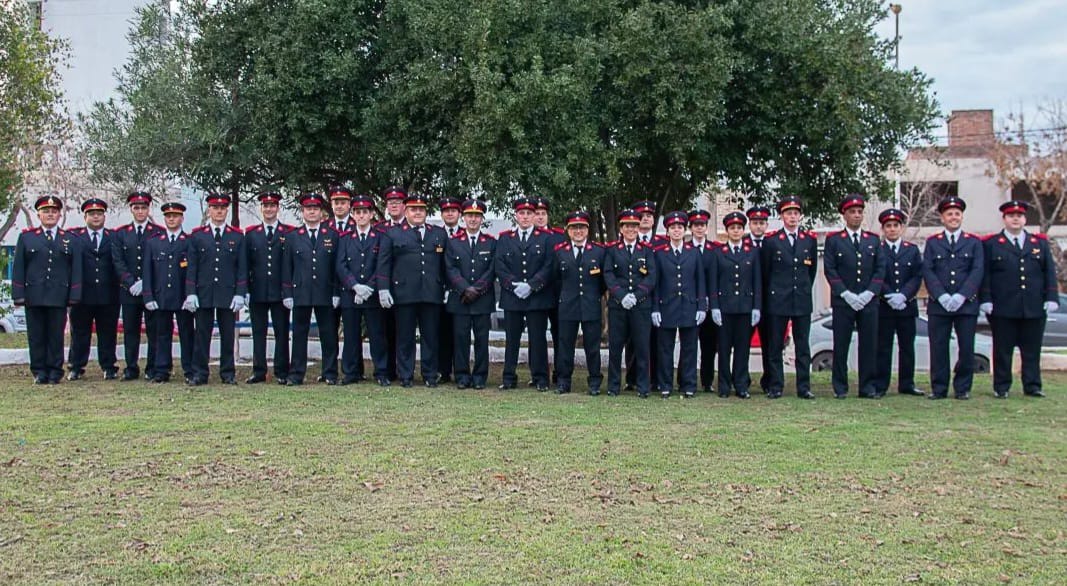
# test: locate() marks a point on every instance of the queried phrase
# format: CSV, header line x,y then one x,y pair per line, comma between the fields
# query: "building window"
x,y
1023,191
36,12
919,200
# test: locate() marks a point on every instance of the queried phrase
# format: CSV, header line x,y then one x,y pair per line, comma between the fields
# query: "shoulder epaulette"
x,y
230,228
662,247
255,228
906,244
989,237
969,235
1040,236
200,229
808,233
30,229
938,236
559,230
600,244
285,227
483,237
771,233
562,246
613,244
78,230
507,233
460,235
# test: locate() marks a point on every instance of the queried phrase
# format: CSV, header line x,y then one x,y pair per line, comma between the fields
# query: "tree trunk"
x,y
235,207
12,217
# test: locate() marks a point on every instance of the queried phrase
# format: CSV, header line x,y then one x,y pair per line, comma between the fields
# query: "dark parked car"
x,y
1055,328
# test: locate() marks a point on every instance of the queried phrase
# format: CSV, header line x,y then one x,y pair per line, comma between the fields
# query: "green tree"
x,y
31,100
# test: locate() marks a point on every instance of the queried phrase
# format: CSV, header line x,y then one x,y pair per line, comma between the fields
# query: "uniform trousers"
x,y
775,347
463,327
734,345
903,329
44,332
278,316
632,327
687,359
206,317
82,319
325,319
865,323
133,315
535,322
354,319
425,316
164,342
941,327
1026,334
565,349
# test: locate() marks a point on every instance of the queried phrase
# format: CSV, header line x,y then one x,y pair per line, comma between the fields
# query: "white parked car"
x,y
822,347
13,320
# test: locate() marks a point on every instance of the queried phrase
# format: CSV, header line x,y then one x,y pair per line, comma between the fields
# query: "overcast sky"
x,y
999,54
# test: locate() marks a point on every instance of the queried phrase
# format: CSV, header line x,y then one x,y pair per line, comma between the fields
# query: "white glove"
x,y
897,300
986,308
657,318
629,301
237,303
447,291
192,303
852,300
357,299
335,301
151,306
865,298
523,290
363,291
756,317
385,299
716,316
1051,306
135,289
288,302
946,301
701,316
958,301
248,299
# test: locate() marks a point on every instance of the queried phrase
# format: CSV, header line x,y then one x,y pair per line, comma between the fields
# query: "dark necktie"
x,y
270,234
792,240
856,240
96,242
218,235
737,249
523,237
677,252
1019,243
630,249
312,233
363,237
578,257
48,236
418,231
173,238
952,240
140,231
474,242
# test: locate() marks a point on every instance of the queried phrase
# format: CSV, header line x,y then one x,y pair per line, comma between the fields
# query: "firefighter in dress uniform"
x,y
579,268
394,197
735,294
709,330
264,243
679,306
45,279
1019,290
99,307
555,236
630,277
127,254
472,298
898,309
646,235
451,210
165,267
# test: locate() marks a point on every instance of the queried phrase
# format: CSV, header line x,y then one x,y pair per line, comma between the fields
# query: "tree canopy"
x,y
593,104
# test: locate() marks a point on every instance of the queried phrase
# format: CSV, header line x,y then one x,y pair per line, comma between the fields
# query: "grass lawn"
x,y
133,483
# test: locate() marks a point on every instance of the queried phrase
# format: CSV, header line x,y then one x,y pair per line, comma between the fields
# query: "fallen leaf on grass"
x,y
373,486
257,453
10,540
12,462
1004,457
500,477
230,530
138,545
913,578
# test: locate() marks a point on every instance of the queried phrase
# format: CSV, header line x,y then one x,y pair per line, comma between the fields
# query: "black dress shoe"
x,y
629,387
936,397
542,388
350,380
406,383
688,395
330,382
255,379
724,395
562,390
613,393
195,382
282,381
130,375
110,375
479,386
912,392
642,395
506,386
805,395
431,384
74,375
444,378
963,396
383,382
229,381
160,379
665,394
463,385
1035,394
869,396
293,382
594,392
774,394
840,396
708,389
744,395
53,381
1003,395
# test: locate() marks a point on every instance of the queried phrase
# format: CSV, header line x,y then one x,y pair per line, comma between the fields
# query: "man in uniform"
x,y
165,267
789,259
357,273
680,305
735,297
524,268
45,279
855,269
1019,290
309,285
630,278
450,213
757,229
646,235
394,198
341,204
709,330
898,309
127,252
472,298
555,236
952,268
579,268
99,306
264,243
412,258
215,286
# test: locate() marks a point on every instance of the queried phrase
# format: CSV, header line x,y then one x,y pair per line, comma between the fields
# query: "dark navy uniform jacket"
x,y
788,272
165,271
265,262
950,270
357,264
626,273
309,273
532,264
680,288
581,286
1019,282
904,275
735,285
127,252
99,280
471,267
216,273
46,274
342,227
850,269
416,271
